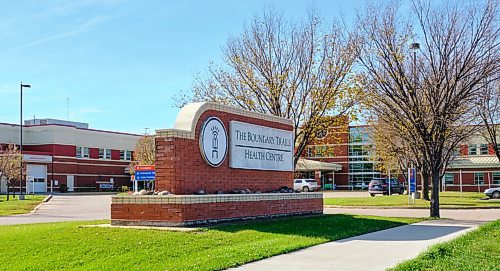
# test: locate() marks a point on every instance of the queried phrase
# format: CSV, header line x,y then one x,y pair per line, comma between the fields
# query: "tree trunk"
x,y
425,186
435,194
8,192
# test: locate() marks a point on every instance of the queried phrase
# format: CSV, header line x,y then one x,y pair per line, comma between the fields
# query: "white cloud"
x,y
86,26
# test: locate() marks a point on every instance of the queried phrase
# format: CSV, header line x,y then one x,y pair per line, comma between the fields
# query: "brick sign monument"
x,y
220,163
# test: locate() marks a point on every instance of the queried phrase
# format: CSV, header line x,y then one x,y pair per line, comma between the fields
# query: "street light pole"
x,y
414,46
21,140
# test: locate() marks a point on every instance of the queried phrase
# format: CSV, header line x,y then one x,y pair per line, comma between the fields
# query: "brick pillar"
x,y
164,164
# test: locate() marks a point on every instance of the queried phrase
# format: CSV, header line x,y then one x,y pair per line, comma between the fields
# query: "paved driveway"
x,y
66,208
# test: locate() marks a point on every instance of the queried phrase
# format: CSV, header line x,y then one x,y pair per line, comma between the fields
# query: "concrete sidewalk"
x,y
374,251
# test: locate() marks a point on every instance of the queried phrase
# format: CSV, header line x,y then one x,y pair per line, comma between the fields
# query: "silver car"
x,y
493,192
305,185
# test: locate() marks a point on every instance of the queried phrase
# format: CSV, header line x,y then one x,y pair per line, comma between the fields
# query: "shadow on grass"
x,y
328,227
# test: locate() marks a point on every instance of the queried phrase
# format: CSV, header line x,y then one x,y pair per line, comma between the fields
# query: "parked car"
x,y
305,185
381,186
360,185
493,192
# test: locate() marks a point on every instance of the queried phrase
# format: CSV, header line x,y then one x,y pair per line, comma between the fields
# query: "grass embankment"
x,y
446,200
66,246
15,206
477,250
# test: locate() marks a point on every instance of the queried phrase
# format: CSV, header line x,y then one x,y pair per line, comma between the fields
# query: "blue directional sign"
x,y
145,175
413,180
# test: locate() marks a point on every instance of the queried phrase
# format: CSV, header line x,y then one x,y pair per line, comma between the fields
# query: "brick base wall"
x,y
207,211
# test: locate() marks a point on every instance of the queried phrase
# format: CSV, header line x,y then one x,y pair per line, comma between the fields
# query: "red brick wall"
x,y
181,169
209,211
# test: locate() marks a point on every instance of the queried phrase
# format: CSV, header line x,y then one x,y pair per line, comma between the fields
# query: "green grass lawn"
x,y
15,206
478,250
66,246
446,200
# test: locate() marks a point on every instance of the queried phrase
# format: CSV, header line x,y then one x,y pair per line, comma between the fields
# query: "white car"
x,y
305,185
493,192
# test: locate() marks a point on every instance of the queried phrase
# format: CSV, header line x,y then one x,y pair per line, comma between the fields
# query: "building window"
x,y
82,152
320,151
359,159
449,178
321,134
483,149
472,149
107,153
479,178
358,150
496,177
125,155
358,135
101,153
79,152
86,152
361,167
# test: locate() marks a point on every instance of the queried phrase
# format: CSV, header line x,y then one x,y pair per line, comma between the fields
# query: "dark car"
x,y
381,186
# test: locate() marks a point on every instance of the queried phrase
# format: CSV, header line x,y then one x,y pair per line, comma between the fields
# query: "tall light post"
x,y
414,47
21,141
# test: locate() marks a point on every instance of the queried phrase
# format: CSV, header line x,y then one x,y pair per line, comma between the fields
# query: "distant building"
x,y
474,168
56,121
58,152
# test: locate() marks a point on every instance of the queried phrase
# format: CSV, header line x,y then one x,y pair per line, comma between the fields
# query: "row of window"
x,y
478,178
483,149
84,152
328,151
361,167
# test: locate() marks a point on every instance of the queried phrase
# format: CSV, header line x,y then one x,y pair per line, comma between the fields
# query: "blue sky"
x,y
120,63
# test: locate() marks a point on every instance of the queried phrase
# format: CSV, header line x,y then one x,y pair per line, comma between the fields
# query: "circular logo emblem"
x,y
213,141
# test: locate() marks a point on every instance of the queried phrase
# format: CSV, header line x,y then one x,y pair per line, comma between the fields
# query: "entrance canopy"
x,y
312,165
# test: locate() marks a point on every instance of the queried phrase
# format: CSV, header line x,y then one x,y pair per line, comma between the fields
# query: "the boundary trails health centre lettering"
x,y
259,147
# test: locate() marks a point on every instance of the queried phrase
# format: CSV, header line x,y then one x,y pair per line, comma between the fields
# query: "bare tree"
x,y
286,69
489,112
10,159
430,97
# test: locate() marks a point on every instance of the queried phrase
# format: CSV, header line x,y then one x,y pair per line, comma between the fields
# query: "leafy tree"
x,y
430,96
144,153
287,69
10,160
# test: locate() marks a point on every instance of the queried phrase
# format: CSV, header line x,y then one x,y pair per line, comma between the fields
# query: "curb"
x,y
46,199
